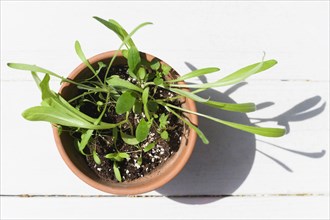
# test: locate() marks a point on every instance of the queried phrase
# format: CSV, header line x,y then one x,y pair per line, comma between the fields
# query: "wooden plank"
x,y
225,34
30,163
286,207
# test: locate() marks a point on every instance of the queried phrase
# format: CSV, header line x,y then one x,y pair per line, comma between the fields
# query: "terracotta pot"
x,y
77,162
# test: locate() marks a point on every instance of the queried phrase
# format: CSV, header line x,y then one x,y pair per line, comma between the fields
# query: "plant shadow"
x,y
218,169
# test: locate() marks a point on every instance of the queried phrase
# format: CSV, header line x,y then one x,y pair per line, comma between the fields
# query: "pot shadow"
x,y
218,169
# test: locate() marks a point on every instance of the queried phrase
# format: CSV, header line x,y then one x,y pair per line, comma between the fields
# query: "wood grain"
x,y
238,175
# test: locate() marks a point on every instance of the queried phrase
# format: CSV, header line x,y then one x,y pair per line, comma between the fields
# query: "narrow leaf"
x,y
134,59
247,71
189,95
117,28
96,158
85,137
233,78
115,157
195,73
116,81
145,95
33,68
36,78
241,107
82,56
123,155
116,171
196,129
51,115
268,132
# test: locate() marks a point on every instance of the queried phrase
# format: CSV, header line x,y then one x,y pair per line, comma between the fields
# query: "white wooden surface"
x,y
262,178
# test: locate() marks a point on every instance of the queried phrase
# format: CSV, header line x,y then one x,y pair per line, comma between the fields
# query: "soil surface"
x,y
103,141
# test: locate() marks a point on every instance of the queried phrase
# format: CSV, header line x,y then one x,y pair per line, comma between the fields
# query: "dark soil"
x,y
103,141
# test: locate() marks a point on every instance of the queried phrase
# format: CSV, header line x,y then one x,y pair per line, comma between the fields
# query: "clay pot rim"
x,y
152,185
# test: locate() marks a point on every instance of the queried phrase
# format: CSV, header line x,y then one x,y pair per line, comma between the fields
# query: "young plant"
x,y
128,110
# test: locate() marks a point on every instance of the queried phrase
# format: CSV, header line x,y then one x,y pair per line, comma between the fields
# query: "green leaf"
x,y
149,147
82,56
116,81
141,73
142,131
125,53
128,139
240,107
197,130
131,74
196,73
166,69
123,155
37,69
137,108
118,156
117,28
267,132
85,137
52,115
247,71
164,135
134,59
188,94
57,110
145,95
163,121
235,77
158,81
36,78
116,171
96,158
154,64
33,68
125,102
49,114
139,161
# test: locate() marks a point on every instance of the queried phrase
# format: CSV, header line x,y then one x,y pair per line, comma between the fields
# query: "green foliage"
x,y
142,130
155,64
129,139
116,171
133,96
196,73
149,147
118,157
125,102
163,121
96,158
